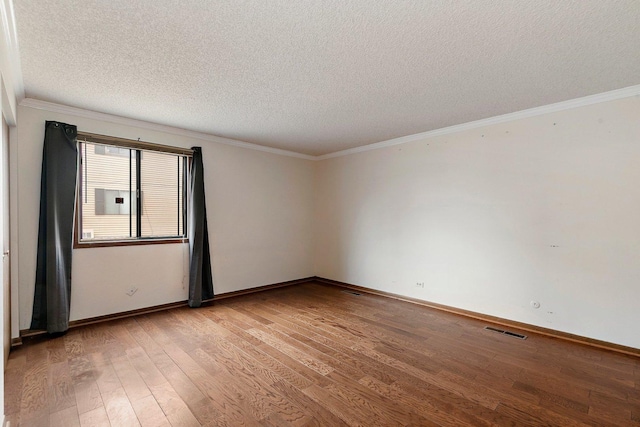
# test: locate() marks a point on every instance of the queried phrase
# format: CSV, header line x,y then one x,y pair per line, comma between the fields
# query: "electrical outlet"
x,y
420,284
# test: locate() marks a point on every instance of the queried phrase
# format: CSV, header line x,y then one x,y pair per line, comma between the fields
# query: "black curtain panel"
x,y
52,299
200,278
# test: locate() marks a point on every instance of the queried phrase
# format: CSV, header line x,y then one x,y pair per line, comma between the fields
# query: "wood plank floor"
x,y
313,355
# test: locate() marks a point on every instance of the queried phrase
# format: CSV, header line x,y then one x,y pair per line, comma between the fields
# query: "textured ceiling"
x,y
321,76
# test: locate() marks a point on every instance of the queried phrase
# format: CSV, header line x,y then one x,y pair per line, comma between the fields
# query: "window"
x,y
129,194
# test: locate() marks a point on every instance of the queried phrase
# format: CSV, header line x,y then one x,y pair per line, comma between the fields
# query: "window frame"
x,y
105,152
138,146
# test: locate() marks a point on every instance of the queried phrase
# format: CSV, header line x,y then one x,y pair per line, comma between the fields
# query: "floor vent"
x,y
501,331
351,292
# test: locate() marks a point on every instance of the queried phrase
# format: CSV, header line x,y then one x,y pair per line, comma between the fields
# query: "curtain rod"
x,y
131,143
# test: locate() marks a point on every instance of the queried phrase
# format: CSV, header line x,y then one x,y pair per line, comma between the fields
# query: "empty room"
x,y
320,213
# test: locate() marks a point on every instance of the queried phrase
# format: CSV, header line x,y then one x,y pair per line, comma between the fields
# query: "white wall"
x,y
10,90
540,209
4,222
5,308
259,209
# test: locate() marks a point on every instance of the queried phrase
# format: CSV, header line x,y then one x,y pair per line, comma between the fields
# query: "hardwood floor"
x,y
312,355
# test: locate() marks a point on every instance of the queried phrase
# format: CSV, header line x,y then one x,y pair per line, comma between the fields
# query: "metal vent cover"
x,y
509,333
346,291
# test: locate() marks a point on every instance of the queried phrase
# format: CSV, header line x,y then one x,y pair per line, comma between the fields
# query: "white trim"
x,y
532,112
64,109
14,242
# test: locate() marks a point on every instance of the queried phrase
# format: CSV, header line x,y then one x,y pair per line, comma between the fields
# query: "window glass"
x,y
106,184
161,184
110,194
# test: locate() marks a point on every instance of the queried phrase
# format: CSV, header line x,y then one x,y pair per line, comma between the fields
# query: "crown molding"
x,y
89,114
523,114
532,112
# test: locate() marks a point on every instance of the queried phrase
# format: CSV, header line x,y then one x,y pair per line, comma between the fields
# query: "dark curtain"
x,y
52,299
200,278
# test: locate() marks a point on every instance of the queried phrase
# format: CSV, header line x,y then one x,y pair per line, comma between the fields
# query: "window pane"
x,y
108,192
161,178
116,207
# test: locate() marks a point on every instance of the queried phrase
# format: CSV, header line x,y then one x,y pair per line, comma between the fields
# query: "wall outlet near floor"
x,y
132,290
420,284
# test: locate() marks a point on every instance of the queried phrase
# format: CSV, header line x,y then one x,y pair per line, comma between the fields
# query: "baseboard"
x,y
260,289
492,319
458,311
147,310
